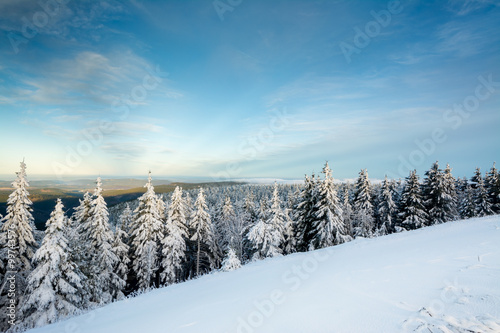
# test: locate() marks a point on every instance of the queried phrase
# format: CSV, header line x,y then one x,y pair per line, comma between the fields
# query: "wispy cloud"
x,y
464,7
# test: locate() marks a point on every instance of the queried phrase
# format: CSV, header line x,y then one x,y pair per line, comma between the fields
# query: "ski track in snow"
x,y
444,278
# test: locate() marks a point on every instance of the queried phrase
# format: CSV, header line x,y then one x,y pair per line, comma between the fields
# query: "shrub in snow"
x,y
231,261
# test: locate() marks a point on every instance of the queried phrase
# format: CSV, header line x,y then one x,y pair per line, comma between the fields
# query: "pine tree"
x,y
290,242
467,207
126,219
386,209
53,287
328,227
225,227
202,234
121,269
147,232
481,198
439,195
17,243
450,197
250,216
276,216
363,207
16,232
412,211
307,213
347,211
492,184
103,259
174,245
265,240
78,235
231,262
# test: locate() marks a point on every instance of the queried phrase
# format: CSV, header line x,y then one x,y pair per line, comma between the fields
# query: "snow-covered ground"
x,y
444,278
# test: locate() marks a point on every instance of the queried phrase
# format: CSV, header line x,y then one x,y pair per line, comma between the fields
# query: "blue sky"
x,y
232,89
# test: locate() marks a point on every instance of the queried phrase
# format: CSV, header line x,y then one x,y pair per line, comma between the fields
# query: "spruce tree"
x,y
481,197
78,237
231,261
265,240
412,210
16,232
17,243
202,234
226,225
328,227
450,197
467,208
103,259
290,242
276,216
250,217
363,207
347,211
173,243
147,231
386,209
121,269
53,287
439,195
126,219
307,213
492,184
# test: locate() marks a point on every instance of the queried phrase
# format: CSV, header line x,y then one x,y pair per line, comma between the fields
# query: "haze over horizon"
x,y
227,90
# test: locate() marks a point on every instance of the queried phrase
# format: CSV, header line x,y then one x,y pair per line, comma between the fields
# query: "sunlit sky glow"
x,y
212,106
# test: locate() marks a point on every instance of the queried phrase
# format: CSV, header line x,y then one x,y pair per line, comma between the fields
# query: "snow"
x,y
442,278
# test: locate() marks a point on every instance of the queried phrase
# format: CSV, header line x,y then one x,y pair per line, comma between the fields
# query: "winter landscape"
x,y
249,166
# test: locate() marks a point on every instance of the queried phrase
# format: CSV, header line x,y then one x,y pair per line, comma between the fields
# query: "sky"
x,y
236,88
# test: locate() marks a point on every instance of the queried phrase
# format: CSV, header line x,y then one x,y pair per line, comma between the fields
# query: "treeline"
x,y
99,255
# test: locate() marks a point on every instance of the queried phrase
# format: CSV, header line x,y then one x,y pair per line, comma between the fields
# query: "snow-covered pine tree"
x,y
225,227
328,227
146,233
231,261
121,268
467,208
492,184
412,210
481,197
250,216
161,207
263,209
265,240
439,195
306,213
53,287
16,232
450,198
78,237
290,242
347,210
173,243
126,219
103,259
386,209
17,242
249,208
276,216
201,231
363,207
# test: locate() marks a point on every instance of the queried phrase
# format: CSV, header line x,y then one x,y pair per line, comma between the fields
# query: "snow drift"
x,y
444,278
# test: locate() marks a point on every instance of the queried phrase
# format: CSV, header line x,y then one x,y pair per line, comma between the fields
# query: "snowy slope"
x,y
444,278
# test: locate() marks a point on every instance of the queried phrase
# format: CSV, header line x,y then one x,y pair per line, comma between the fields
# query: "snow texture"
x,y
442,278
